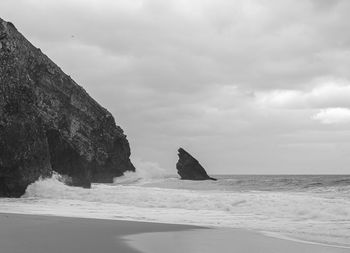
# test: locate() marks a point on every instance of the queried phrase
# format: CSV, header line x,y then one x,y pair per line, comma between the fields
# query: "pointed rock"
x,y
189,168
49,123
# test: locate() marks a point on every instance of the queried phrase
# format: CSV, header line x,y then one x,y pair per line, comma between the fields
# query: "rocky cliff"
x,y
49,123
189,168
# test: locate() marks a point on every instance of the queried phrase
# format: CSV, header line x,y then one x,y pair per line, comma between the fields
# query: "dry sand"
x,y
49,234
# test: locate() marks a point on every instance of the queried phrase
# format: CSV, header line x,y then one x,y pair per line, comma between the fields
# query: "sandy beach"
x,y
50,234
223,241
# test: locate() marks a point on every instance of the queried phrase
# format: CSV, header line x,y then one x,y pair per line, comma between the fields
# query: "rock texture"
x,y
49,123
189,168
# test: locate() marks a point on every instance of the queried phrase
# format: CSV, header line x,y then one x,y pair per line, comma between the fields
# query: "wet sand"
x,y
50,234
223,241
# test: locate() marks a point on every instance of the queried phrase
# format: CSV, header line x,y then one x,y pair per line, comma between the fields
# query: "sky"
x,y
246,86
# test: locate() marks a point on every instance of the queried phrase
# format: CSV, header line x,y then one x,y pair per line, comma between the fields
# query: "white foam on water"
x,y
146,172
294,214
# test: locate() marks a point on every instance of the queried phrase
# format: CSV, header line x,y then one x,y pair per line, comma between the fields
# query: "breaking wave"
x,y
318,214
146,172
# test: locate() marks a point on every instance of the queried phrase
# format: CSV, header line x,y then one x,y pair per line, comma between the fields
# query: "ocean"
x,y
313,208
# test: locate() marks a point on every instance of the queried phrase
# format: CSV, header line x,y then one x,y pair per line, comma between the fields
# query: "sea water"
x,y
313,208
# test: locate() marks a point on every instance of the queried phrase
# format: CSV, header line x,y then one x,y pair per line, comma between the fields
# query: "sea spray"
x,y
146,172
316,213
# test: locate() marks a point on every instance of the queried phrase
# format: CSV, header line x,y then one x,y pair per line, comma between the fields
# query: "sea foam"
x,y
320,216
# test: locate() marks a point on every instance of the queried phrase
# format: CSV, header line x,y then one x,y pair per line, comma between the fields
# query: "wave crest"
x,y
145,172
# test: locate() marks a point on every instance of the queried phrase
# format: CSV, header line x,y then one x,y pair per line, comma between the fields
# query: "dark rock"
x,y
189,168
49,123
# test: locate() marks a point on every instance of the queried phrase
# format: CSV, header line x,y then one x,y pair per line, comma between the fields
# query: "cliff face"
x,y
49,123
189,168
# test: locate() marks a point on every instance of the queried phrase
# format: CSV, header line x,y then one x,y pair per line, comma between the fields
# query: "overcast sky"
x,y
246,86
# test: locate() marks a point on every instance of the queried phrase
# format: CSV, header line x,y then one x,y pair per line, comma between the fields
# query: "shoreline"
x,y
223,240
294,239
27,233
130,236
193,225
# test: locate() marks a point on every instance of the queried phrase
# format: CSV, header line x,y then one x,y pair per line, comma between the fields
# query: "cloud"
x,y
239,79
325,92
333,116
191,44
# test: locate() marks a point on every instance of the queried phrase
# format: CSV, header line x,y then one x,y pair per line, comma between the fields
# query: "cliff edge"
x,y
49,123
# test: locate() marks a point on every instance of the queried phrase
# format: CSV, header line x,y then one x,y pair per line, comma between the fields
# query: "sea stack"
x,y
189,168
49,123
